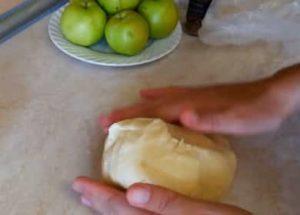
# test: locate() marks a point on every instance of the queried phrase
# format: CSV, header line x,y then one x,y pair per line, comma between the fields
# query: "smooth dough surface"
x,y
155,152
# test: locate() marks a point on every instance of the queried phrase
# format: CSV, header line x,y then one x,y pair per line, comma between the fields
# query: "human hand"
x,y
145,199
231,109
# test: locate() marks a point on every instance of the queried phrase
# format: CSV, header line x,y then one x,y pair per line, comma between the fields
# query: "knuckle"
x,y
111,199
277,123
166,202
213,121
110,205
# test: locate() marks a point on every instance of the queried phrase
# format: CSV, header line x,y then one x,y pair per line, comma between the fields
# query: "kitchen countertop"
x,y
8,4
49,133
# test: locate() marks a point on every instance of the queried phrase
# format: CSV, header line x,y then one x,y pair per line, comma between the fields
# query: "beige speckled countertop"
x,y
6,5
49,134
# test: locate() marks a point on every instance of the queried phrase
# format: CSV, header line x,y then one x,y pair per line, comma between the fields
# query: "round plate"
x,y
102,54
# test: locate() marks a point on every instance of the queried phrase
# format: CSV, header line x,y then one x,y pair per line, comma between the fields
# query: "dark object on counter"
x,y
196,12
25,14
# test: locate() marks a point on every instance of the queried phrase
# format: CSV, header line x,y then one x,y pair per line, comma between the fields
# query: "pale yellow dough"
x,y
152,151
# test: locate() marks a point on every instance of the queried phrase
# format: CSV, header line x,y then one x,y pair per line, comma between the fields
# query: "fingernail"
x,y
86,202
140,196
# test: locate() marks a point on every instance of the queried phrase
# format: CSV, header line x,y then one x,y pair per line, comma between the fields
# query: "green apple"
x,y
162,16
127,32
83,22
115,6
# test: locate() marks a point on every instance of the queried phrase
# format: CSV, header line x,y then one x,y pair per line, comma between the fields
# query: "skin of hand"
x,y
233,109
145,199
241,109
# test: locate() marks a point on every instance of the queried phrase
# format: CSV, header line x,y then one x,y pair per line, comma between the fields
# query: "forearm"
x,y
286,84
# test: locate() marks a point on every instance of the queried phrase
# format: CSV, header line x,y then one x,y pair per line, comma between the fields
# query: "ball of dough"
x,y
152,151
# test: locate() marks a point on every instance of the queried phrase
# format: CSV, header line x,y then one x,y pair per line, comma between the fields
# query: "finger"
x,y
155,199
162,201
137,110
167,112
161,92
219,122
227,122
104,122
102,198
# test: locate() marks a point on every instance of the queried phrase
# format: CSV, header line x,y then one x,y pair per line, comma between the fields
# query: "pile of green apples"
x,y
127,25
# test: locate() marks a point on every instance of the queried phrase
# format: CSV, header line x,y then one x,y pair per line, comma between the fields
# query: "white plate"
x,y
101,53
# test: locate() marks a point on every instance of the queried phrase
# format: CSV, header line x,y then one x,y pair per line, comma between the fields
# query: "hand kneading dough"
x,y
152,151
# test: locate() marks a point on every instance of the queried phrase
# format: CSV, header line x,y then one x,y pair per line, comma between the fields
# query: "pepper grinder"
x,y
196,12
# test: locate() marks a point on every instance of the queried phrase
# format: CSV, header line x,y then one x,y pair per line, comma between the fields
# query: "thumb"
x,y
156,199
162,201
